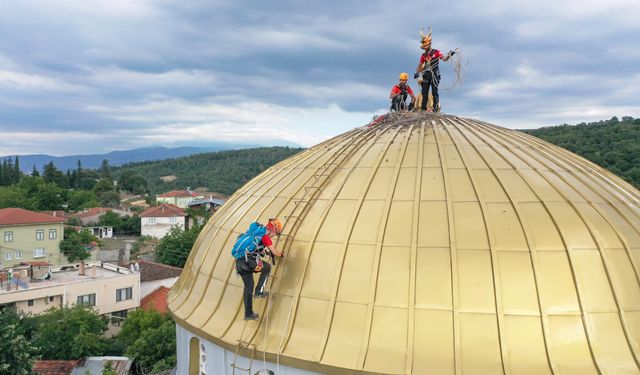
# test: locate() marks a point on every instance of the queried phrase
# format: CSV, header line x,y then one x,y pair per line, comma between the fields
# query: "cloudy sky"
x,y
82,76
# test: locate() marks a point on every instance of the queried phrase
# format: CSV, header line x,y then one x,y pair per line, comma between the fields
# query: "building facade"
x,y
157,221
111,290
29,236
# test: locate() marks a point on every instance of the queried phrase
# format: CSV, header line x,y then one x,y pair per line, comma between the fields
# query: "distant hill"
x,y
117,158
613,144
223,171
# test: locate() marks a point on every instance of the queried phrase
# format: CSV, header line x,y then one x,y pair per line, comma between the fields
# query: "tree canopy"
x,y
70,333
223,171
16,352
612,144
174,248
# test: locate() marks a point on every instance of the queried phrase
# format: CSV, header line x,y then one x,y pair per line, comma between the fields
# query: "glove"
x,y
415,76
452,52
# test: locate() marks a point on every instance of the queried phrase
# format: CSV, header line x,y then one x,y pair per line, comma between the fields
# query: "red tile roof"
x,y
178,193
13,216
56,213
156,300
57,367
91,212
163,210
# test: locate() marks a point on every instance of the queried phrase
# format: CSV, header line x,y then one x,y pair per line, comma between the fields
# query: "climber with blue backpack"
x,y
248,251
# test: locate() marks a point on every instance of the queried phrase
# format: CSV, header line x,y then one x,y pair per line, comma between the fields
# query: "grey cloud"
x,y
73,66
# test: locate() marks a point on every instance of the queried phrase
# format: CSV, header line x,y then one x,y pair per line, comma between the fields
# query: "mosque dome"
x,y
429,244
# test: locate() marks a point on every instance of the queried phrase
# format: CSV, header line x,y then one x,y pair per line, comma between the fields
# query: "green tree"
x,y
12,196
70,333
105,170
130,226
174,248
612,143
110,199
51,174
132,182
155,349
72,246
17,173
81,199
139,321
50,196
110,219
104,185
16,352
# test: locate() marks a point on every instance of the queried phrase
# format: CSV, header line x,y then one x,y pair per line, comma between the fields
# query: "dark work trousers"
x,y
247,280
431,80
399,103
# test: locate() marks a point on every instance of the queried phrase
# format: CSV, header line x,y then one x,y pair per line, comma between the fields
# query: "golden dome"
x,y
430,244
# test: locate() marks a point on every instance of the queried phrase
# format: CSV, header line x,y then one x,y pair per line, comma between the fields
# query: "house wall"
x,y
67,294
158,227
24,240
213,359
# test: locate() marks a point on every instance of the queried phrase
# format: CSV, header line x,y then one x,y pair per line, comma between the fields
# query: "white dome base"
x,y
217,360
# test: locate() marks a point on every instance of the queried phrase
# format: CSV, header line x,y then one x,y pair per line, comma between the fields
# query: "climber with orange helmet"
x,y
249,249
399,93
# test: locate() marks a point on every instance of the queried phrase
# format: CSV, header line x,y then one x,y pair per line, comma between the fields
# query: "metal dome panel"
x,y
430,244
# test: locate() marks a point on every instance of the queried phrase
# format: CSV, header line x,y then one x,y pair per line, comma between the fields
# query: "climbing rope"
x,y
459,62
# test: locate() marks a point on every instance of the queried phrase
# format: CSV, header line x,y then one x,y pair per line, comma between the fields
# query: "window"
x,y
18,254
40,234
151,220
53,234
124,294
203,360
8,236
51,298
173,220
87,300
8,255
30,302
38,252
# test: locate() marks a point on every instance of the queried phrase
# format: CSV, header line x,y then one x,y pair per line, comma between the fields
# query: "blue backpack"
x,y
249,241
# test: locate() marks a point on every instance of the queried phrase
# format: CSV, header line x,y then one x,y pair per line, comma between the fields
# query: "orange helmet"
x,y
404,76
274,225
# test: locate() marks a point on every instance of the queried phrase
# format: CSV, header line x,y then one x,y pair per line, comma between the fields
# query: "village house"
x,y
157,221
180,198
29,236
33,288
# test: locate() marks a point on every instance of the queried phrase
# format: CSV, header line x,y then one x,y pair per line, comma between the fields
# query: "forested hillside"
x,y
613,144
223,172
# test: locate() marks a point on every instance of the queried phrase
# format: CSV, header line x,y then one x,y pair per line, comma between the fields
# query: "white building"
x,y
157,221
112,290
101,232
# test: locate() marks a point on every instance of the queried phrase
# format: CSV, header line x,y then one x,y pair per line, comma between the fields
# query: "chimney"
x,y
82,269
